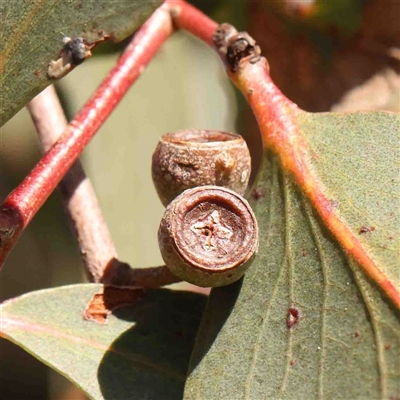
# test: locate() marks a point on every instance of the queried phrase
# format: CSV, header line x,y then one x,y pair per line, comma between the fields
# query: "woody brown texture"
x,y
208,236
190,158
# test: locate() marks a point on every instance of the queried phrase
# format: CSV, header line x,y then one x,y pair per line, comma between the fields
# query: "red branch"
x,y
23,203
192,20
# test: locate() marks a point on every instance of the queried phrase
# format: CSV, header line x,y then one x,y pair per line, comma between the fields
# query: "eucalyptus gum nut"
x,y
208,236
191,158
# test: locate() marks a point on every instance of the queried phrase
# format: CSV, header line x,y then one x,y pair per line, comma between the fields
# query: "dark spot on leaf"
x,y
365,229
76,50
356,334
108,299
257,194
293,317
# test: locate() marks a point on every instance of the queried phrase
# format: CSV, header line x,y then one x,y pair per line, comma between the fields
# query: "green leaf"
x,y
346,343
32,34
142,353
357,158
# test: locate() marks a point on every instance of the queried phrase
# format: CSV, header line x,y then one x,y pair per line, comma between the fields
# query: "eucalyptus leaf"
x,y
357,158
305,323
142,353
32,35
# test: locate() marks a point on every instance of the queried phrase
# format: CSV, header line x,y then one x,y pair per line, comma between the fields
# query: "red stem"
x,y
192,20
22,204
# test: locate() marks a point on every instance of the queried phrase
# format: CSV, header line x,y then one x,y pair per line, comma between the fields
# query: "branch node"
x,y
235,47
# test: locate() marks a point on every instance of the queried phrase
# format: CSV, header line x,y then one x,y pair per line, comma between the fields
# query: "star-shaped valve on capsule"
x,y
210,231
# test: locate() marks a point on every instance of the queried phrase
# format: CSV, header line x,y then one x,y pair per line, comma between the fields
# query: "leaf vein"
x,y
267,310
377,336
324,297
289,351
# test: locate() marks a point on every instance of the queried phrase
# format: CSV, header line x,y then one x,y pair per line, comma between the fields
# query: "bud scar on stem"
x,y
234,46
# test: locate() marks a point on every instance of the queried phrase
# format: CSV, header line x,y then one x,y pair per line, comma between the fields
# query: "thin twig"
x,y
121,274
80,201
82,207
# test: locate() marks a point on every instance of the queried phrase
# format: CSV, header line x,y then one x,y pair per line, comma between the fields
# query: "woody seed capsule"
x,y
190,158
208,236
